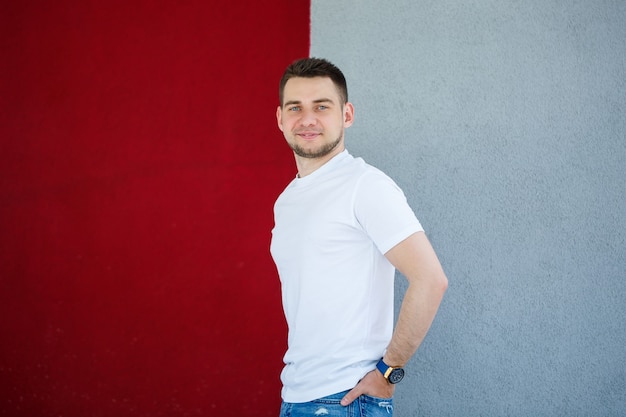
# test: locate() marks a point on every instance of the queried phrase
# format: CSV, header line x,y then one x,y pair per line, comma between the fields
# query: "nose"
x,y
308,118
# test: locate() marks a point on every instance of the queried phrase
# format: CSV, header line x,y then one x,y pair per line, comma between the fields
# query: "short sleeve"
x,y
382,210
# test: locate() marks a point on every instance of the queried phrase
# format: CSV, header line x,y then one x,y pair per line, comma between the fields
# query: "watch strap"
x,y
384,368
393,375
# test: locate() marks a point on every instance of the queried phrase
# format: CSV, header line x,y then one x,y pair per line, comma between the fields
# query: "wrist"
x,y
392,374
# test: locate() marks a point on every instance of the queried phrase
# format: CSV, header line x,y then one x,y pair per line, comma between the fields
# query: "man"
x,y
341,226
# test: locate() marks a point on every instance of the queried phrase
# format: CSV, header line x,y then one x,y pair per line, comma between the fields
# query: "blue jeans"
x,y
364,406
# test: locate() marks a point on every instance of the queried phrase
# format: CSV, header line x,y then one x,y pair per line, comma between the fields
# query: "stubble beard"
x,y
316,153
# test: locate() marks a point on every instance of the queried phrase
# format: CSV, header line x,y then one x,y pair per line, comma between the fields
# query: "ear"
x,y
348,114
279,118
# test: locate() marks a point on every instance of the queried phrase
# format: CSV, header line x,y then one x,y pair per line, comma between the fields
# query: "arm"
x,y
415,258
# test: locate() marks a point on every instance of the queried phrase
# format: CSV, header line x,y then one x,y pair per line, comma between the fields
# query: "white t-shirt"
x,y
331,231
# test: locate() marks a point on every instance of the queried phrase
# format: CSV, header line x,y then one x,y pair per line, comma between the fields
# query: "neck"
x,y
307,166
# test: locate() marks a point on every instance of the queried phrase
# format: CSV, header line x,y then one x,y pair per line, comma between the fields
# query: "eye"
x,y
322,107
293,108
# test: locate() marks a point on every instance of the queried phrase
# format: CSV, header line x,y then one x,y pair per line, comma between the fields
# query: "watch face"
x,y
396,375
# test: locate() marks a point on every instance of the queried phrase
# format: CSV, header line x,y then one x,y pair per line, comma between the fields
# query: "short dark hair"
x,y
315,67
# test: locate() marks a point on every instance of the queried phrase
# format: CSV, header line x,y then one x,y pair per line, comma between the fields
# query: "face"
x,y
313,118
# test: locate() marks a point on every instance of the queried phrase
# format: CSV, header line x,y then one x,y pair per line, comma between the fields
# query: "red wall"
x,y
139,161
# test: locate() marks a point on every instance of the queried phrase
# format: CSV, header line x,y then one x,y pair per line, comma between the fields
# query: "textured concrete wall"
x,y
505,124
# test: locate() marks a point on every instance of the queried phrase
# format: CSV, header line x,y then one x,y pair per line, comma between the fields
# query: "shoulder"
x,y
372,179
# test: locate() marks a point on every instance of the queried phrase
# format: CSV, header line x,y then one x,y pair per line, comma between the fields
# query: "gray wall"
x,y
505,124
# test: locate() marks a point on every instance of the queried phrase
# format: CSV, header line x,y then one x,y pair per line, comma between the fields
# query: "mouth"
x,y
308,135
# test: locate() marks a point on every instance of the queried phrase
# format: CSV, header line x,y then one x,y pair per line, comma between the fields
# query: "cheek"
x,y
286,124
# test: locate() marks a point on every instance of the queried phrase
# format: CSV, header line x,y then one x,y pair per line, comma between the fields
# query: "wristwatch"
x,y
393,375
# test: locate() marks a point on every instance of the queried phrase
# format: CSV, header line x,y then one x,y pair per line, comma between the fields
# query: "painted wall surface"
x,y
139,162
505,124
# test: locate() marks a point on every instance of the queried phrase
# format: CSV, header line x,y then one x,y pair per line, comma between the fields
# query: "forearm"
x,y
418,310
416,260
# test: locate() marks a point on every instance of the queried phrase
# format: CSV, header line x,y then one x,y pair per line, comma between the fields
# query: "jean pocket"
x,y
376,406
373,398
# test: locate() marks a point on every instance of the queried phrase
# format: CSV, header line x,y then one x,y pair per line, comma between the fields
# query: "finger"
x,y
352,395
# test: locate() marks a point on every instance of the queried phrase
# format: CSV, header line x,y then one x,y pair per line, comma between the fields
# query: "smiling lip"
x,y
308,135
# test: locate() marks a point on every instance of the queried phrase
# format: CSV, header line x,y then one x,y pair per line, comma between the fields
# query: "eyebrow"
x,y
316,101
